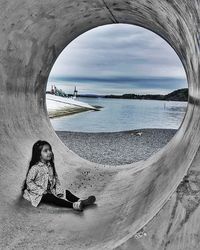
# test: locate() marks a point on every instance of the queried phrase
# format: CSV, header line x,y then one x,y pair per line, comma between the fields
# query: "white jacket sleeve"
x,y
31,185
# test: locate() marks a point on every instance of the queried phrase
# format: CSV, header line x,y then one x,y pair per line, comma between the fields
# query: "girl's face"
x,y
46,153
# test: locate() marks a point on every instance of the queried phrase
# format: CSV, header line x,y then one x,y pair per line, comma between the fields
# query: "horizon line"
x,y
114,78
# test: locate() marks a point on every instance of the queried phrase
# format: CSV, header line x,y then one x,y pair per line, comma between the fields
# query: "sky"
x,y
118,59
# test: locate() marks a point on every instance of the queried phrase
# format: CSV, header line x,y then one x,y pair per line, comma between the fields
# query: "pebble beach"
x,y
117,148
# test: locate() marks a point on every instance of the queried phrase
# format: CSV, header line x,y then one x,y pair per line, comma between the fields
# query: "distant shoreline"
x,y
177,95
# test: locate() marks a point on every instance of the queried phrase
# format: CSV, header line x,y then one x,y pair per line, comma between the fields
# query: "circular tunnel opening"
x,y
117,94
32,43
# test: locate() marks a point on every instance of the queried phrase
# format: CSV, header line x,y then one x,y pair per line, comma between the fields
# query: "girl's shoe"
x,y
89,201
78,205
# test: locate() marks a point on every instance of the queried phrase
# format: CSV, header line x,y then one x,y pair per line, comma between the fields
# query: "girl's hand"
x,y
60,195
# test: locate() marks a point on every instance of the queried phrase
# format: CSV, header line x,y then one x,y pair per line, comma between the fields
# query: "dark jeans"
x,y
51,199
70,197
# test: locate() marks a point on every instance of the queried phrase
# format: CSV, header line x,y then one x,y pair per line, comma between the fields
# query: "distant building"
x,y
52,90
55,90
75,92
59,92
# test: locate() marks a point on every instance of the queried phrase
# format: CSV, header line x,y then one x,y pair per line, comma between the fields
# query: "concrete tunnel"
x,y
130,198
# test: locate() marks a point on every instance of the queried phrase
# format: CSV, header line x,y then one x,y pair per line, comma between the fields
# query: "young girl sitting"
x,y
42,183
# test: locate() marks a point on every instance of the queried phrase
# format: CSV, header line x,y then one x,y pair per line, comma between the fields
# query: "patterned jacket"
x,y
37,183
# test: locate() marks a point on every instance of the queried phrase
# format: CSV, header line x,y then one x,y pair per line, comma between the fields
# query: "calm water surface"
x,y
123,114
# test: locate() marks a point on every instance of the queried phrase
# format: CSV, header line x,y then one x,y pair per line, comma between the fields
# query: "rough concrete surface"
x,y
131,198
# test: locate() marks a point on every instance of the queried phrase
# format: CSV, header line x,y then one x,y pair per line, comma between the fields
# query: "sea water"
x,y
123,114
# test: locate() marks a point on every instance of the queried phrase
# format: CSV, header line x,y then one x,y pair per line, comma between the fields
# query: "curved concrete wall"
x,y
33,34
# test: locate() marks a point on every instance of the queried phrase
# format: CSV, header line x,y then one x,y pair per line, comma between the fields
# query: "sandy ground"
x,y
116,148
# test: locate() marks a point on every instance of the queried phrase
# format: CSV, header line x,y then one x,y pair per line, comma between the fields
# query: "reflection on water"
x,y
177,109
123,114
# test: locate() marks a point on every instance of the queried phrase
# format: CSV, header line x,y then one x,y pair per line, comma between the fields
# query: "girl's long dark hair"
x,y
36,153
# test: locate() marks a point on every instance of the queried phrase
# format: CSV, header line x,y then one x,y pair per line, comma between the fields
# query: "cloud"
x,y
118,52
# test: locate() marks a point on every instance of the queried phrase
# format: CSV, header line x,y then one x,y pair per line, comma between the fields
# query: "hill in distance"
x,y
177,95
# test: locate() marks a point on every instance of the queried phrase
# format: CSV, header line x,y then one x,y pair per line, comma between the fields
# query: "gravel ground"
x,y
116,148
